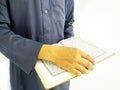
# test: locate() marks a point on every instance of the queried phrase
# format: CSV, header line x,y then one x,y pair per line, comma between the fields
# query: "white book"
x,y
52,75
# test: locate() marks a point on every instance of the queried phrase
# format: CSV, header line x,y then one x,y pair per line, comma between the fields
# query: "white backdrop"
x,y
99,22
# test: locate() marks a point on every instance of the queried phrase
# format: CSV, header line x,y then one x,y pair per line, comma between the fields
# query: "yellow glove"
x,y
70,59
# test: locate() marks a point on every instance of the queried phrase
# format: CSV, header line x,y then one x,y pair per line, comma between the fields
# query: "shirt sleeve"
x,y
68,31
21,51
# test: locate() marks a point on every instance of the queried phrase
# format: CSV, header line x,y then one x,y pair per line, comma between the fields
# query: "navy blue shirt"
x,y
25,25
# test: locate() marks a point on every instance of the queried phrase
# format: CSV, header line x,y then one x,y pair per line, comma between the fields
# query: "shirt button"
x,y
46,11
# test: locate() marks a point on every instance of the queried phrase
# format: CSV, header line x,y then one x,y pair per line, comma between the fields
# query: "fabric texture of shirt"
x,y
25,25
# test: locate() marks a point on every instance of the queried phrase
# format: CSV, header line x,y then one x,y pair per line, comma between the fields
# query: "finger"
x,y
87,56
74,71
69,67
81,68
85,63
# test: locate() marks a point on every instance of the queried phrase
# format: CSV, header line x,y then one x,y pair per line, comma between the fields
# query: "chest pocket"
x,y
59,10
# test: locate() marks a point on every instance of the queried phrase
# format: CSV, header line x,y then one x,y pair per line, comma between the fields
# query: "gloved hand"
x,y
70,59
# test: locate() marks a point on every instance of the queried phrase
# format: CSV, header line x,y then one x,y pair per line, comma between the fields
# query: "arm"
x,y
68,32
21,51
